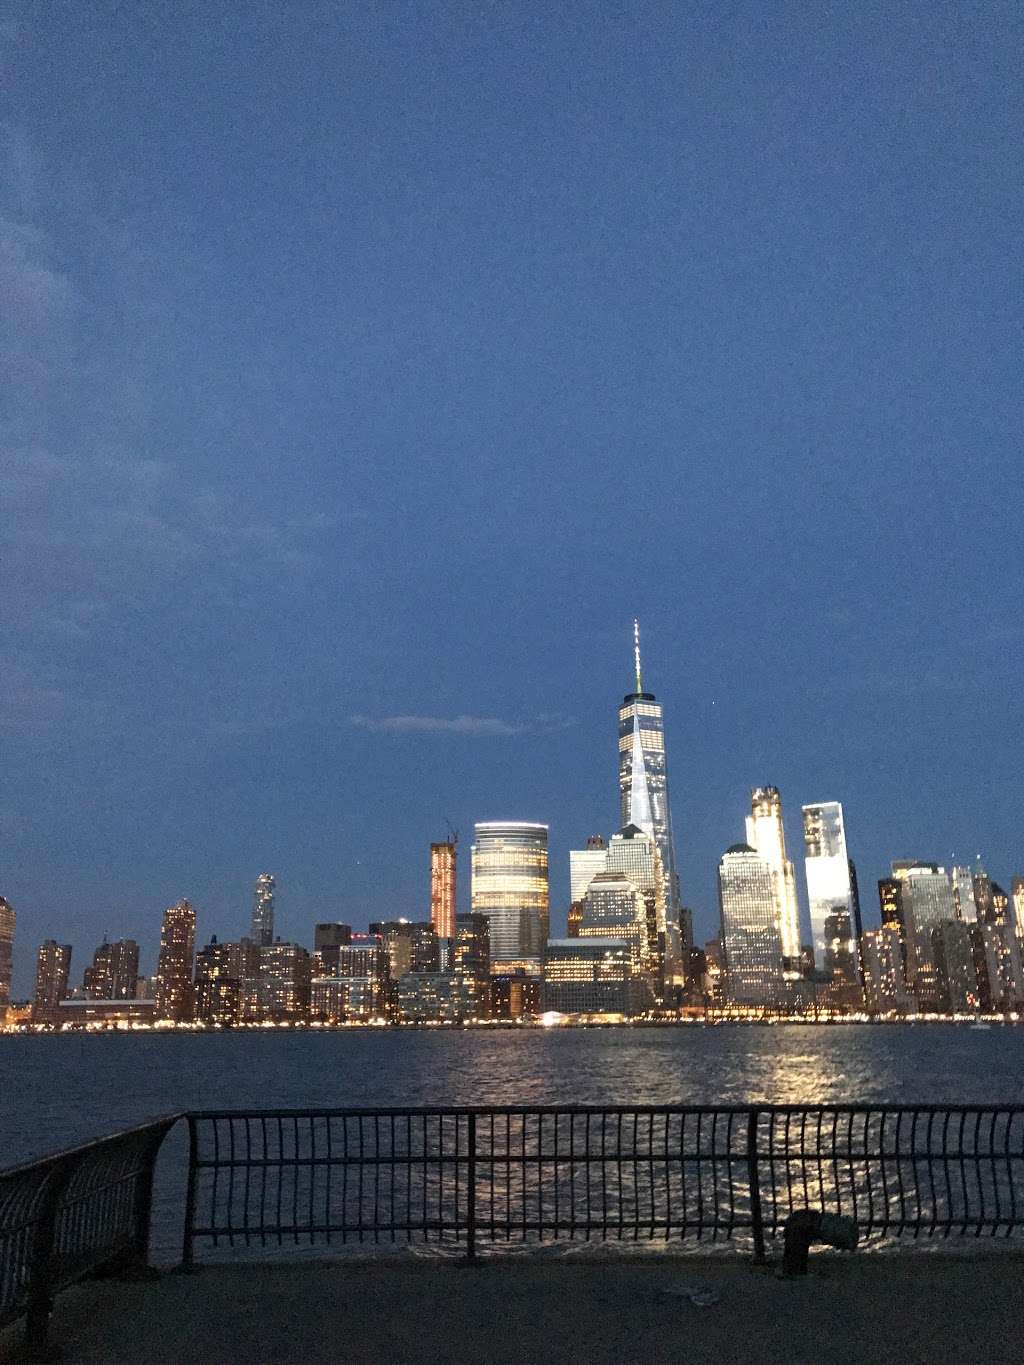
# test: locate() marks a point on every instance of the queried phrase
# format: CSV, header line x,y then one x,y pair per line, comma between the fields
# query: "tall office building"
x,y
643,775
262,931
584,865
1017,895
953,952
7,921
766,835
114,972
442,888
983,899
592,976
471,966
885,987
220,970
751,943
615,908
280,993
634,853
53,964
963,894
328,940
174,990
1000,970
927,900
1001,912
411,945
829,883
510,887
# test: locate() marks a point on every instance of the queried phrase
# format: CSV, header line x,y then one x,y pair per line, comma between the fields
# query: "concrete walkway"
x,y
913,1309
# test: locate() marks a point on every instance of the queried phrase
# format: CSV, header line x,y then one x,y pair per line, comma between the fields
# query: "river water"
x,y
60,1090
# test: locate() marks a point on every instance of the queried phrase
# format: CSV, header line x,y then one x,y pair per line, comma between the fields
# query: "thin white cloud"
x,y
478,727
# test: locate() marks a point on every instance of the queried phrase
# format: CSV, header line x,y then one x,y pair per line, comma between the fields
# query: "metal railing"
x,y
480,1179
83,1211
475,1178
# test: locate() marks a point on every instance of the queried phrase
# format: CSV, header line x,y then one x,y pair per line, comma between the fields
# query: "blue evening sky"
x,y
375,360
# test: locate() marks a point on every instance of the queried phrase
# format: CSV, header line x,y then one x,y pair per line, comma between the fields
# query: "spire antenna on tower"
x,y
636,654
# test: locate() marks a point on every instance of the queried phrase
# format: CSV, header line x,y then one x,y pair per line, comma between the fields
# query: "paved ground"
x,y
917,1310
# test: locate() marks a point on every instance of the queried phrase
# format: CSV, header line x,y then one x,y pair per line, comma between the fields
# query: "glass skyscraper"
x,y
750,934
829,884
510,887
643,793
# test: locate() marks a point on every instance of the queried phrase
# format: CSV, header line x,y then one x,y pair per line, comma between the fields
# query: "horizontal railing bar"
x,y
481,1158
452,1111
610,1225
76,1153
599,1159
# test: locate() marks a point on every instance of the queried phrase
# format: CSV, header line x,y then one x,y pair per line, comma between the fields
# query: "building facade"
x,y
766,836
114,972
174,990
443,887
471,964
927,901
643,776
751,943
953,953
8,920
510,887
592,976
280,993
53,966
885,987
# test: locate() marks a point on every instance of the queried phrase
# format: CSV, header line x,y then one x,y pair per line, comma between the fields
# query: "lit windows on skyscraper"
x,y
174,989
927,899
615,908
751,944
262,932
442,888
7,922
643,775
885,986
53,965
510,887
766,835
592,976
584,865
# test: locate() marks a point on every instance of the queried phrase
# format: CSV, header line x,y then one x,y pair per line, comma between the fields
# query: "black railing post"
x,y
471,1191
190,1196
754,1181
143,1209
42,1278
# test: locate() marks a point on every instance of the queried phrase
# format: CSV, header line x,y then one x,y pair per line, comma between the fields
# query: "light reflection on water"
x,y
59,1090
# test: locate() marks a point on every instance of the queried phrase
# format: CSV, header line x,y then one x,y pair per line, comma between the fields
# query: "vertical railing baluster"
x,y
471,1189
754,1183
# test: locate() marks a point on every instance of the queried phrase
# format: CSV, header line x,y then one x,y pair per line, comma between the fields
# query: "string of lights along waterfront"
x,y
949,940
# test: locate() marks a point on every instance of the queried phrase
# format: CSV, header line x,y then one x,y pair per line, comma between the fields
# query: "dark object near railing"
x,y
804,1227
84,1211
470,1178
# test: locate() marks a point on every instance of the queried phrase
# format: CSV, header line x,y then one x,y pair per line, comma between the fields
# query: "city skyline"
x,y
515,899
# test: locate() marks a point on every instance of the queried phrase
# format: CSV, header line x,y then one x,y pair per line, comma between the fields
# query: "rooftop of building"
x,y
892,1308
